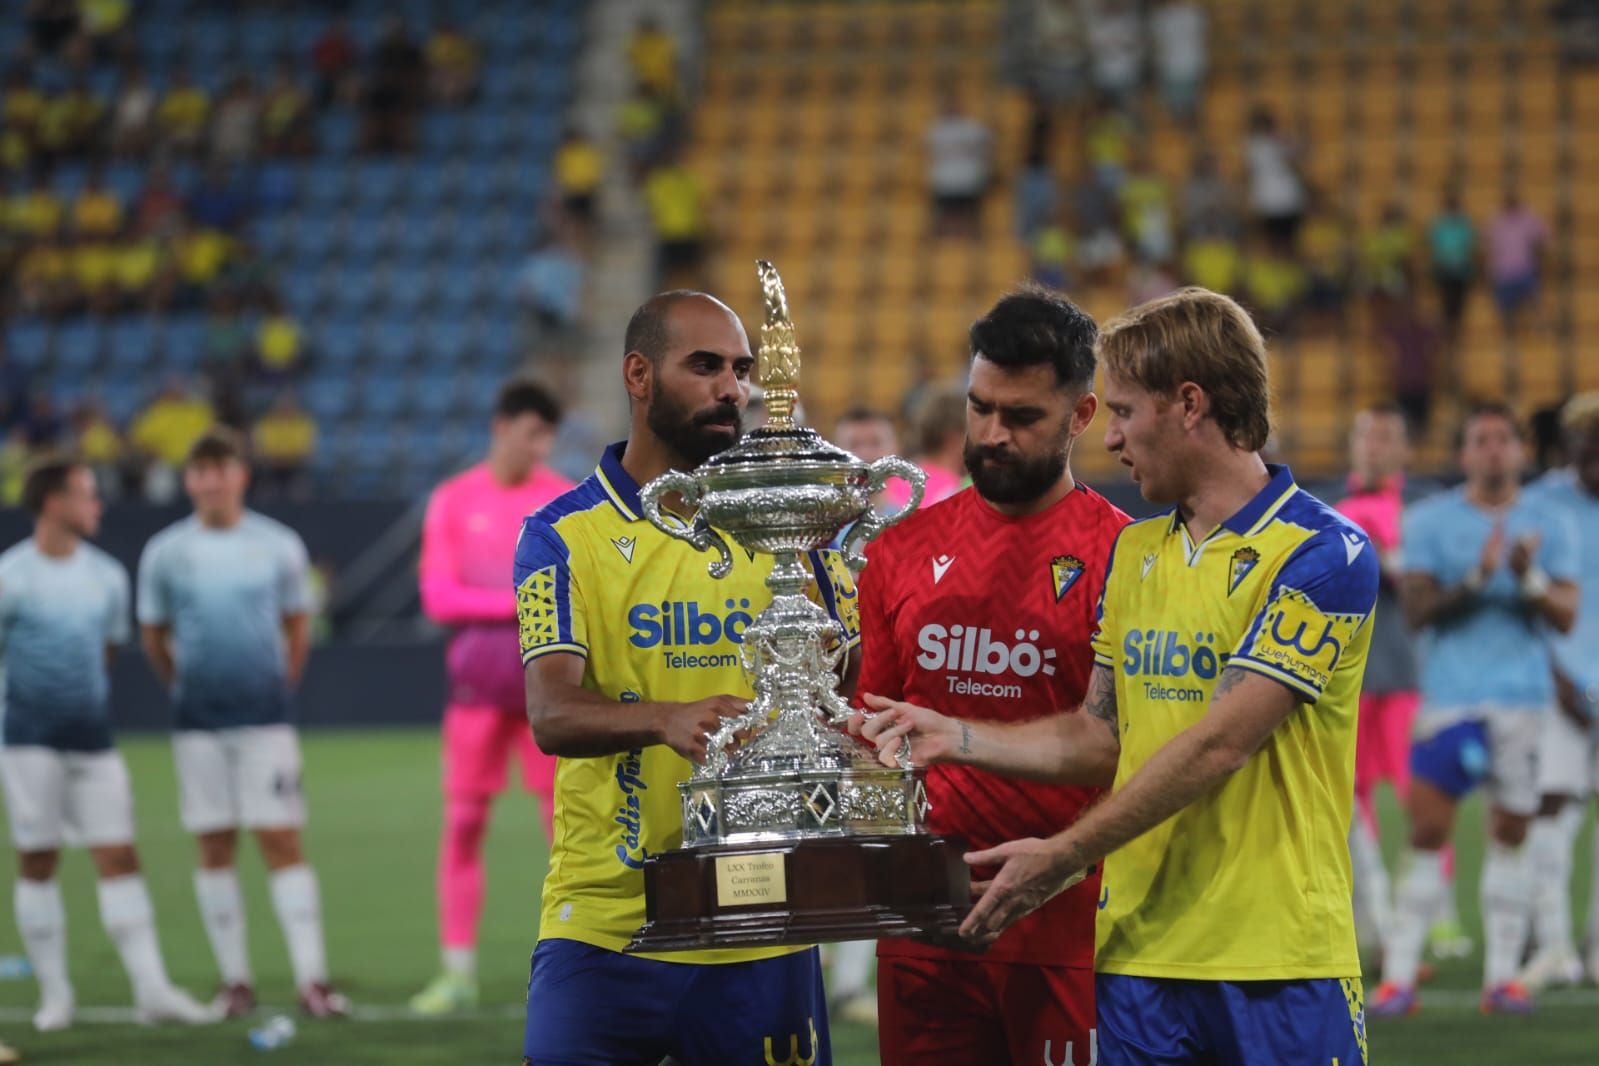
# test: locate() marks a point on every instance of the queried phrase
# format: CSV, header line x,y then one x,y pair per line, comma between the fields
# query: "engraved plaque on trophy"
x,y
800,834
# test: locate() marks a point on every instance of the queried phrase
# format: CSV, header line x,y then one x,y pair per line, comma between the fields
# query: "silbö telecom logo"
x,y
678,627
1162,653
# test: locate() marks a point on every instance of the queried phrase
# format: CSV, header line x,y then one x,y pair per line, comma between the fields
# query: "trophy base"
x,y
803,892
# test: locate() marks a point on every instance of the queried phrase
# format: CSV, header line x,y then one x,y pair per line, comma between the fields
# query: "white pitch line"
x,y
376,1013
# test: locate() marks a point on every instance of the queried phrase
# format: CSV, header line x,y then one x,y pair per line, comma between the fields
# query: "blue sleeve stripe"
x,y
1281,676
825,582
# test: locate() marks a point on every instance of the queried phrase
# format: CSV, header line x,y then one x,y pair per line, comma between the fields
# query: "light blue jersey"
x,y
57,617
224,593
1497,652
1577,652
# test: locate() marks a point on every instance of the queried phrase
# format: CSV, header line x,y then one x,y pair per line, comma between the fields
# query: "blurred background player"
x,y
1488,574
869,435
626,711
223,602
1568,757
1377,491
1011,567
468,547
63,612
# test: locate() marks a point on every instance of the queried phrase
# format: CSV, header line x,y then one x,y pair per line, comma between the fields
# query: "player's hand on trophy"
x,y
687,727
888,724
1031,873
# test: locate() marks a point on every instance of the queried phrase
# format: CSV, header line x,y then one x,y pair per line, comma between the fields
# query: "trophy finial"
x,y
779,358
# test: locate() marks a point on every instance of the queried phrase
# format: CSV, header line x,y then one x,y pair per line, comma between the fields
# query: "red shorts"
x,y
480,741
966,1012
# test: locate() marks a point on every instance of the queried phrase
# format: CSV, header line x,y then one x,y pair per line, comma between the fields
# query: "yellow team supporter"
x,y
283,437
579,166
97,212
596,580
170,426
202,254
138,263
36,213
98,443
277,342
94,265
675,203
1252,882
184,111
652,55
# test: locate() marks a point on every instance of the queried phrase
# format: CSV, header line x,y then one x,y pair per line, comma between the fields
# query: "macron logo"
x,y
1354,544
941,566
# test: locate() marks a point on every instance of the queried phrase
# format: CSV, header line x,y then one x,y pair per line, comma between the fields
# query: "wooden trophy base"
x,y
804,892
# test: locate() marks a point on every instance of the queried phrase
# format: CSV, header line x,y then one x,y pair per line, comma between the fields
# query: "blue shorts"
x,y
1455,759
1157,1021
587,1006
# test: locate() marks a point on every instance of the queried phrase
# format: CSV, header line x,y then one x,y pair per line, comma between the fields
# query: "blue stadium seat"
x,y
336,132
302,289
78,343
130,345
338,342
28,341
406,289
394,341
182,342
348,292
457,289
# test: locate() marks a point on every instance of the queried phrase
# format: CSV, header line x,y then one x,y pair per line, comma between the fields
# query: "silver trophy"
x,y
785,491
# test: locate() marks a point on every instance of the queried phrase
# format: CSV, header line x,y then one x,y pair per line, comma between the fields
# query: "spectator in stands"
x,y
21,111
1150,279
201,255
394,91
1516,239
941,442
1210,203
1411,343
1037,186
1177,28
454,65
333,60
286,115
1277,195
44,279
228,342
1387,252
1212,260
1051,250
579,169
43,422
284,442
104,23
35,212
1116,50
279,345
1146,211
220,202
133,114
1052,53
94,268
1108,142
15,458
97,443
676,199
1274,285
1452,257
70,124
959,165
640,122
96,212
163,434
160,203
236,127
51,23
141,262
652,58
183,115
1099,243
551,284
1324,243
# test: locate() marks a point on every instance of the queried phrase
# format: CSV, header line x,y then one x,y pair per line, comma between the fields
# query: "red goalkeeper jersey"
x,y
984,616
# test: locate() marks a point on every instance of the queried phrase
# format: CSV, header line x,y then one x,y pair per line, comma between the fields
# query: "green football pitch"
x,y
372,834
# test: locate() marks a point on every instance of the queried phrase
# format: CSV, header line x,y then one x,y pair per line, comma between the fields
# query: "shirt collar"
x,y
619,485
1259,509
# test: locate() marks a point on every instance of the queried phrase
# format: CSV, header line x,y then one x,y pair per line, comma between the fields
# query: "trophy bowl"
x,y
794,832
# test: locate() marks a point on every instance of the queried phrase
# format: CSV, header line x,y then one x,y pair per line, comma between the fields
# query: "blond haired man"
x,y
1232,638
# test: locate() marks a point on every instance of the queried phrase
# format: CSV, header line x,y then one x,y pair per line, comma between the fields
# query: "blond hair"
x,y
1199,336
1580,416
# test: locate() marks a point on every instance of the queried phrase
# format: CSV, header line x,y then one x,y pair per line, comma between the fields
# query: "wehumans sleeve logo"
x,y
1298,638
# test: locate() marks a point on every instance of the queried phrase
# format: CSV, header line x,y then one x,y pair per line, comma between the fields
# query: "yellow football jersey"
x,y
1252,881
594,579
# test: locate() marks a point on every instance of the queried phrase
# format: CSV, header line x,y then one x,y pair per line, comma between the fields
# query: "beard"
x,y
1003,476
687,433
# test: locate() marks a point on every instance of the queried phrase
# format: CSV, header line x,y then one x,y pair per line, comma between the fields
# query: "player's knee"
x,y
217,849
466,820
116,860
37,865
280,848
1429,835
1510,829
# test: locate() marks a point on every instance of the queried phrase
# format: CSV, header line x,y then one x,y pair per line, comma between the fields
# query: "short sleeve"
x,y
835,591
1318,602
116,623
1559,552
154,596
1105,638
1418,546
294,577
549,610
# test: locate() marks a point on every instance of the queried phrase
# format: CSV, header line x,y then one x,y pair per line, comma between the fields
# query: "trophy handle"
x,y
700,534
871,526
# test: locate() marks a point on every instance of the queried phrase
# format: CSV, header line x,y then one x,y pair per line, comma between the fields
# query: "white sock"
x,y
1421,888
42,922
299,907
852,968
222,911
1373,912
1506,912
461,962
1549,848
130,921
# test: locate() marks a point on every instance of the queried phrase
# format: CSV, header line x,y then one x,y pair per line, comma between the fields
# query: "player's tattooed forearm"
x,y
966,738
1230,679
1101,702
